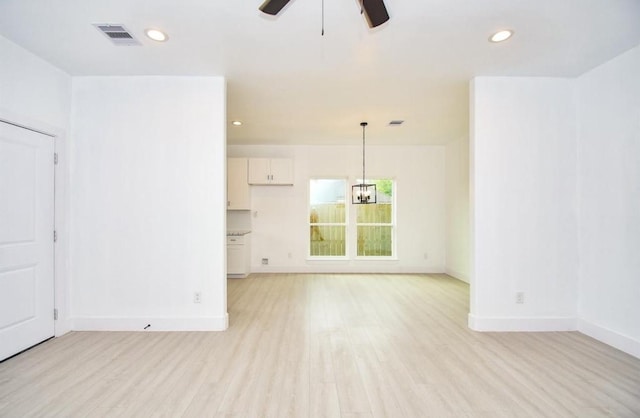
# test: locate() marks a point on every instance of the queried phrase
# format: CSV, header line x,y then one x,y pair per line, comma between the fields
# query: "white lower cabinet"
x,y
238,256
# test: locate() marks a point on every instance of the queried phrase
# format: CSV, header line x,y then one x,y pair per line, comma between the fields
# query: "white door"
x,y
26,239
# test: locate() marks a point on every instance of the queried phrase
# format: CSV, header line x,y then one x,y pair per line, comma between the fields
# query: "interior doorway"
x,y
26,238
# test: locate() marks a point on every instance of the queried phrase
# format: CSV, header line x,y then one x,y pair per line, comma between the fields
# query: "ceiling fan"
x,y
374,10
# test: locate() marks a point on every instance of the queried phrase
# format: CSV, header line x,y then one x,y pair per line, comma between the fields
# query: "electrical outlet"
x,y
426,256
290,255
265,261
197,297
519,298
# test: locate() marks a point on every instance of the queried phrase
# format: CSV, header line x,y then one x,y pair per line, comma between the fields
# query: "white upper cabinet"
x,y
238,193
272,171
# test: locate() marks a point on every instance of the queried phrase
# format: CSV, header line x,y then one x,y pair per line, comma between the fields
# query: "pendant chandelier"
x,y
363,193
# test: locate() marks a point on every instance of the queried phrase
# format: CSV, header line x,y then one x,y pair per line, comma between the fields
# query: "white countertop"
x,y
238,232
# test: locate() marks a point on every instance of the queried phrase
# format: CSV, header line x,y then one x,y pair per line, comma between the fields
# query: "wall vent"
x,y
117,33
396,122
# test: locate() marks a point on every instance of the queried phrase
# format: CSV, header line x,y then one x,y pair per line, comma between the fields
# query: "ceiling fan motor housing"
x,y
374,10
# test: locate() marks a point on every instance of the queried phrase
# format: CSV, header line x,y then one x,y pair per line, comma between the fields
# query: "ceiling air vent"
x,y
396,122
118,34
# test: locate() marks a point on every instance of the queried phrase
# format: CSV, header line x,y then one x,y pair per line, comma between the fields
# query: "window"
x,y
372,230
327,218
374,223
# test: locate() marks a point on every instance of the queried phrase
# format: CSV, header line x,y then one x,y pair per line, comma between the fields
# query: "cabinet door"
x,y
281,171
238,192
259,172
235,259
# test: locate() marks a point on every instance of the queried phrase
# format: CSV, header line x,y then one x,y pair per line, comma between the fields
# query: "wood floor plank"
x,y
326,345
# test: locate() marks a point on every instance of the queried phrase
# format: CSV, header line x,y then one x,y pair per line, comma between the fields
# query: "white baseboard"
x,y
522,324
610,337
211,323
458,275
318,267
62,326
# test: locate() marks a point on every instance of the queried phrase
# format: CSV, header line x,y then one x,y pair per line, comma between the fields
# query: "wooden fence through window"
x,y
374,235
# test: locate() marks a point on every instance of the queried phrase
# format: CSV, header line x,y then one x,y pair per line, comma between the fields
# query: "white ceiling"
x,y
290,85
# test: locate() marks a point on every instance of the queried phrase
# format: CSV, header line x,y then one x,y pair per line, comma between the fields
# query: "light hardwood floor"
x,y
326,345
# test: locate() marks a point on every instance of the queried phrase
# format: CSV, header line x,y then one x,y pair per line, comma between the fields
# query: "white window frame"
x,y
346,224
393,225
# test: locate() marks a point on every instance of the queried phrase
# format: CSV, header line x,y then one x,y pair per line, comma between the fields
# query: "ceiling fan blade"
x,y
273,7
376,12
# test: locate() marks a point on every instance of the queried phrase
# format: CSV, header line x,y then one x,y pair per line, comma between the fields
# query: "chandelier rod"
x,y
363,124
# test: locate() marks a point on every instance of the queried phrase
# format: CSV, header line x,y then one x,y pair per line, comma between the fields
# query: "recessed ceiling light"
x,y
502,35
236,123
156,35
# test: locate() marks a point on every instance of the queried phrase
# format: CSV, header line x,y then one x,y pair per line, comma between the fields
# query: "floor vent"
x,y
117,33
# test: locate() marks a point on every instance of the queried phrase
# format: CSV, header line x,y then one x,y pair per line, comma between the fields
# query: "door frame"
x,y
61,212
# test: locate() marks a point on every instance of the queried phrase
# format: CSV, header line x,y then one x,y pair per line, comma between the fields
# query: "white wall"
x,y
609,201
457,209
37,95
281,226
148,207
523,162
31,88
